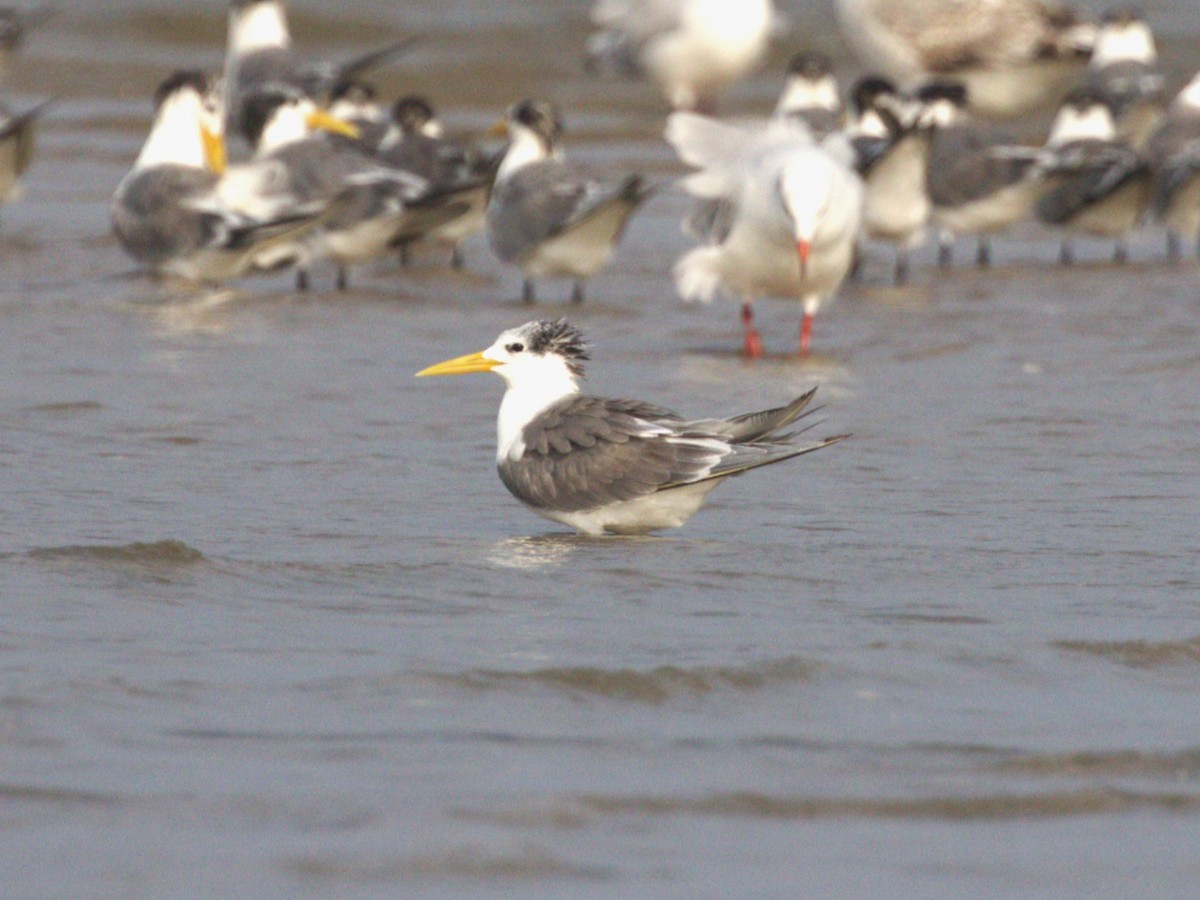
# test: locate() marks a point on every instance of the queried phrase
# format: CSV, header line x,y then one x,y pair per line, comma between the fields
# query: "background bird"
x,y
690,48
167,213
544,216
789,214
1173,152
980,180
1012,55
1096,183
620,466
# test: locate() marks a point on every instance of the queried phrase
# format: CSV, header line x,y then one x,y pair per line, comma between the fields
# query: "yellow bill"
x,y
320,118
214,149
461,365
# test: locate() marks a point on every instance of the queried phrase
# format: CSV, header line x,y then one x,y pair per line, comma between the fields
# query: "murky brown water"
x,y
272,627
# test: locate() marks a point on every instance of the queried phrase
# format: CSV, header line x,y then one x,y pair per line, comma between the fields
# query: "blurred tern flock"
x,y
273,626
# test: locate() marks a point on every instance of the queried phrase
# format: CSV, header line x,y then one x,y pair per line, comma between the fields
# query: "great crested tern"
x,y
810,94
18,134
788,216
619,466
167,213
258,54
296,166
1013,55
1124,72
690,48
544,216
980,180
357,102
892,156
1174,155
415,141
1096,184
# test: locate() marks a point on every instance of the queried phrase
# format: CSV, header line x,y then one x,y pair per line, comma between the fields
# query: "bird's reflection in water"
x,y
532,552
551,551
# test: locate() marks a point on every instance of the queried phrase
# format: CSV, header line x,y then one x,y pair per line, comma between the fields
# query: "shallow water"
x,y
274,628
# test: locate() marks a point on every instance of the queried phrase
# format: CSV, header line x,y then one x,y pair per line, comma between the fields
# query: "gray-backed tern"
x,y
544,216
601,465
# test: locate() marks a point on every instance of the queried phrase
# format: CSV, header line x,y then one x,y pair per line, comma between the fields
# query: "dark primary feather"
x,y
587,452
152,220
545,198
968,162
1086,172
1123,84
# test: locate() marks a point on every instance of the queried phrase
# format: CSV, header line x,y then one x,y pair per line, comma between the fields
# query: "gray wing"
x,y
763,425
152,220
1124,84
1090,170
968,163
546,198
587,452
1174,155
318,169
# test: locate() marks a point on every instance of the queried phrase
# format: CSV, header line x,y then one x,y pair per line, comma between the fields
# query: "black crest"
x,y
176,81
867,91
561,338
810,64
260,107
354,91
954,91
412,113
539,116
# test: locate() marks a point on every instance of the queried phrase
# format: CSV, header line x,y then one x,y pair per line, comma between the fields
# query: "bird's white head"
x,y
1190,95
355,101
257,25
547,355
541,362
187,129
534,129
1084,115
275,116
1123,37
804,190
944,103
810,85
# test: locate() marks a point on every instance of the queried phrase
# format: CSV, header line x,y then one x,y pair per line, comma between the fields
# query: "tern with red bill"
x,y
781,215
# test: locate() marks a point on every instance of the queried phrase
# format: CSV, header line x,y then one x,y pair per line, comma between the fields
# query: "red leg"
x,y
753,346
806,326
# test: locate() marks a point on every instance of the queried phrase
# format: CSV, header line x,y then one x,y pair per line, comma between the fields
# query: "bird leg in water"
x,y
1066,253
456,259
527,295
900,276
1120,252
404,255
302,279
343,277
752,347
983,252
806,323
577,293
945,250
1173,248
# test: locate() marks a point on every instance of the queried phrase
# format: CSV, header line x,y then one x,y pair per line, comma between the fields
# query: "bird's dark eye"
x,y
514,348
